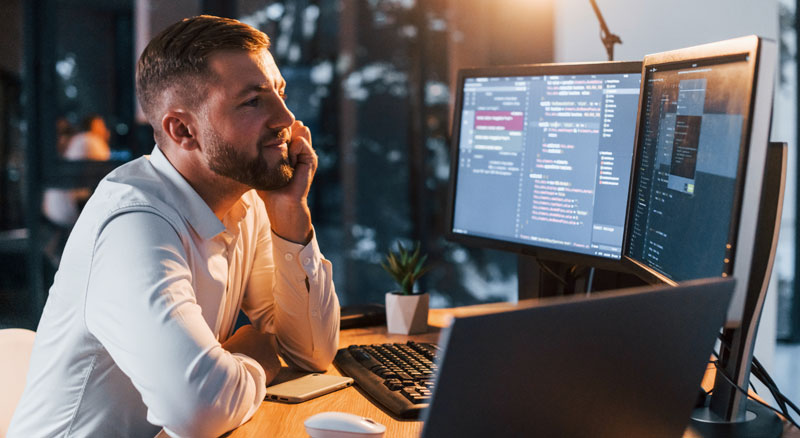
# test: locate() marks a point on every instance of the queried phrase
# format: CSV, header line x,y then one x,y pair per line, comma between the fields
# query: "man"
x,y
137,334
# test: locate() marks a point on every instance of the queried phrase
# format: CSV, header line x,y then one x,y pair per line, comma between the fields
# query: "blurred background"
x,y
372,79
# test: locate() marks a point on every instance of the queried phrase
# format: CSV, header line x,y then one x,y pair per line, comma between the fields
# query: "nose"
x,y
280,117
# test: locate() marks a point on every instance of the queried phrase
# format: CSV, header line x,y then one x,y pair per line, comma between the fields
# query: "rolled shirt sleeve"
x,y
291,294
140,304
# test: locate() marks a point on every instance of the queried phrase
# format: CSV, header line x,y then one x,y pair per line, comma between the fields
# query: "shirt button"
x,y
307,261
288,257
315,314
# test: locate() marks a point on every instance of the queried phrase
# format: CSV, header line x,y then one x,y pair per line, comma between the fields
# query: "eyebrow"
x,y
259,88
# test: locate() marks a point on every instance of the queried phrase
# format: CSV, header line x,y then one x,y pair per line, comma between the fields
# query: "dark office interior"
x,y
373,81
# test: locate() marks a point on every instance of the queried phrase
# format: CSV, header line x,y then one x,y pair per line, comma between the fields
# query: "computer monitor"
x,y
541,159
701,141
704,205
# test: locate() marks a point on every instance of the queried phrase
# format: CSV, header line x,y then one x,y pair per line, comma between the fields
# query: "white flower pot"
x,y
406,314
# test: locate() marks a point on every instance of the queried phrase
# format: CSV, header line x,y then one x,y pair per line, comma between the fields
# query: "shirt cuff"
x,y
302,261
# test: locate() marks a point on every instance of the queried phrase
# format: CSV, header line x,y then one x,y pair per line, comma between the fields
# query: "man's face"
x,y
246,131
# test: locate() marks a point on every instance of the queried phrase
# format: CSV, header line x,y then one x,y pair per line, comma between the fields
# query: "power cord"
x,y
749,381
759,372
784,413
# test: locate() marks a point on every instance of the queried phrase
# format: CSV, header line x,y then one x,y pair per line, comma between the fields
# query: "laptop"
x,y
618,364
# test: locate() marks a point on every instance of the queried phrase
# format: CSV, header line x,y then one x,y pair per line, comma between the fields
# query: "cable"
x,y
721,372
714,362
547,269
760,372
590,281
777,394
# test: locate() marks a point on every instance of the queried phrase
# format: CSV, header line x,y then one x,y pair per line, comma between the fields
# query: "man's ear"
x,y
180,127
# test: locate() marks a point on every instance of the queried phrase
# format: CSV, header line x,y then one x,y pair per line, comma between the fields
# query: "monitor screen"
x,y
542,157
699,171
684,219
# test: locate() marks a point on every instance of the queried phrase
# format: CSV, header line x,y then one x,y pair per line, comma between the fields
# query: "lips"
x,y
278,139
276,143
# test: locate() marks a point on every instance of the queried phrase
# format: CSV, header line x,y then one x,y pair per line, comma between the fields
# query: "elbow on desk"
x,y
312,355
217,403
203,422
206,416
318,361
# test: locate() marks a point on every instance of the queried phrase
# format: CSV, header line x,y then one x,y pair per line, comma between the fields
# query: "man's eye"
x,y
251,102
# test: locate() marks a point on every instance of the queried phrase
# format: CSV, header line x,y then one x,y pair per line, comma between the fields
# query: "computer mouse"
x,y
342,425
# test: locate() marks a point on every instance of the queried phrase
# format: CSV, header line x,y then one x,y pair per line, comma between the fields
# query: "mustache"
x,y
284,135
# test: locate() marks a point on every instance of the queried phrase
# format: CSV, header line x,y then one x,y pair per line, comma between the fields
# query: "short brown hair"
x,y
177,59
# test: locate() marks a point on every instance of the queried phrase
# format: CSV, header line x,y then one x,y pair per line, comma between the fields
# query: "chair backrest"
x,y
15,353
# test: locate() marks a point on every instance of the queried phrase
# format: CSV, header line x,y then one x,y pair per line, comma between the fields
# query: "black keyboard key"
x,y
364,358
393,384
404,376
421,399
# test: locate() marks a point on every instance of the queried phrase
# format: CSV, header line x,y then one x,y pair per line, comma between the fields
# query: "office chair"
x,y
15,353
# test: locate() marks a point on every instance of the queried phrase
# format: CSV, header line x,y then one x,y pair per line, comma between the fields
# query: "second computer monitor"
x,y
542,158
701,151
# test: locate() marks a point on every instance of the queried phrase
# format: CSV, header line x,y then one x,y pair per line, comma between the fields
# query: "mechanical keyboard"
x,y
400,377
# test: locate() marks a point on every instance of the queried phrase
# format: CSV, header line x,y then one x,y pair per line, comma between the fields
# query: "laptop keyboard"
x,y
400,377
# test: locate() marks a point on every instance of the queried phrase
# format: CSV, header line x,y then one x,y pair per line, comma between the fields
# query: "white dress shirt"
x,y
149,285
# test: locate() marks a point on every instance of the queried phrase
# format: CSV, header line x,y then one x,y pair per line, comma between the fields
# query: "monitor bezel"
x,y
543,253
717,52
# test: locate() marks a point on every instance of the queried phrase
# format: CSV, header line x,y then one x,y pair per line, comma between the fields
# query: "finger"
x,y
298,129
304,155
300,149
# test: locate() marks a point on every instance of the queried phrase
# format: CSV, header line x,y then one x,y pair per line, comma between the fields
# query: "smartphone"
x,y
306,387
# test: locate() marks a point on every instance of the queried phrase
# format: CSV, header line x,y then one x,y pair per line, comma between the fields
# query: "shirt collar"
x,y
188,203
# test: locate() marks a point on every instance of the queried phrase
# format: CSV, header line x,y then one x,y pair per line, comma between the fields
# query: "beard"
x,y
227,160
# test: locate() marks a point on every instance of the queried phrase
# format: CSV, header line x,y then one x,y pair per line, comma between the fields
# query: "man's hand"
x,y
288,207
263,347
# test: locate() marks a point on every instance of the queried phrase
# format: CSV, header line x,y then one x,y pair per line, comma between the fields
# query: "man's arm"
x,y
290,291
262,347
140,304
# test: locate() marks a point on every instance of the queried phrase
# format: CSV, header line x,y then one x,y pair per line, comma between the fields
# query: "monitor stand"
x,y
730,414
534,282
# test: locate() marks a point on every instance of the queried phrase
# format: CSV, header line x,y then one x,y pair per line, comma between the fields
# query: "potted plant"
x,y
406,310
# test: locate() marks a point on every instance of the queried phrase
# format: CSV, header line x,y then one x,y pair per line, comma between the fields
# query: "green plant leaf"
x,y
415,256
407,284
403,254
406,266
419,266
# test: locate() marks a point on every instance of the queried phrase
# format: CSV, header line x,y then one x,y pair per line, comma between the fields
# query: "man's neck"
x,y
218,192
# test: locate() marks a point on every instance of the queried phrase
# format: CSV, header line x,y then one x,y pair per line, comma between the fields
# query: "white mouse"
x,y
342,425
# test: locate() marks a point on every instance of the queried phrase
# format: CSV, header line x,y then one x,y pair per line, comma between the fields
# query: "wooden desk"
x,y
275,419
